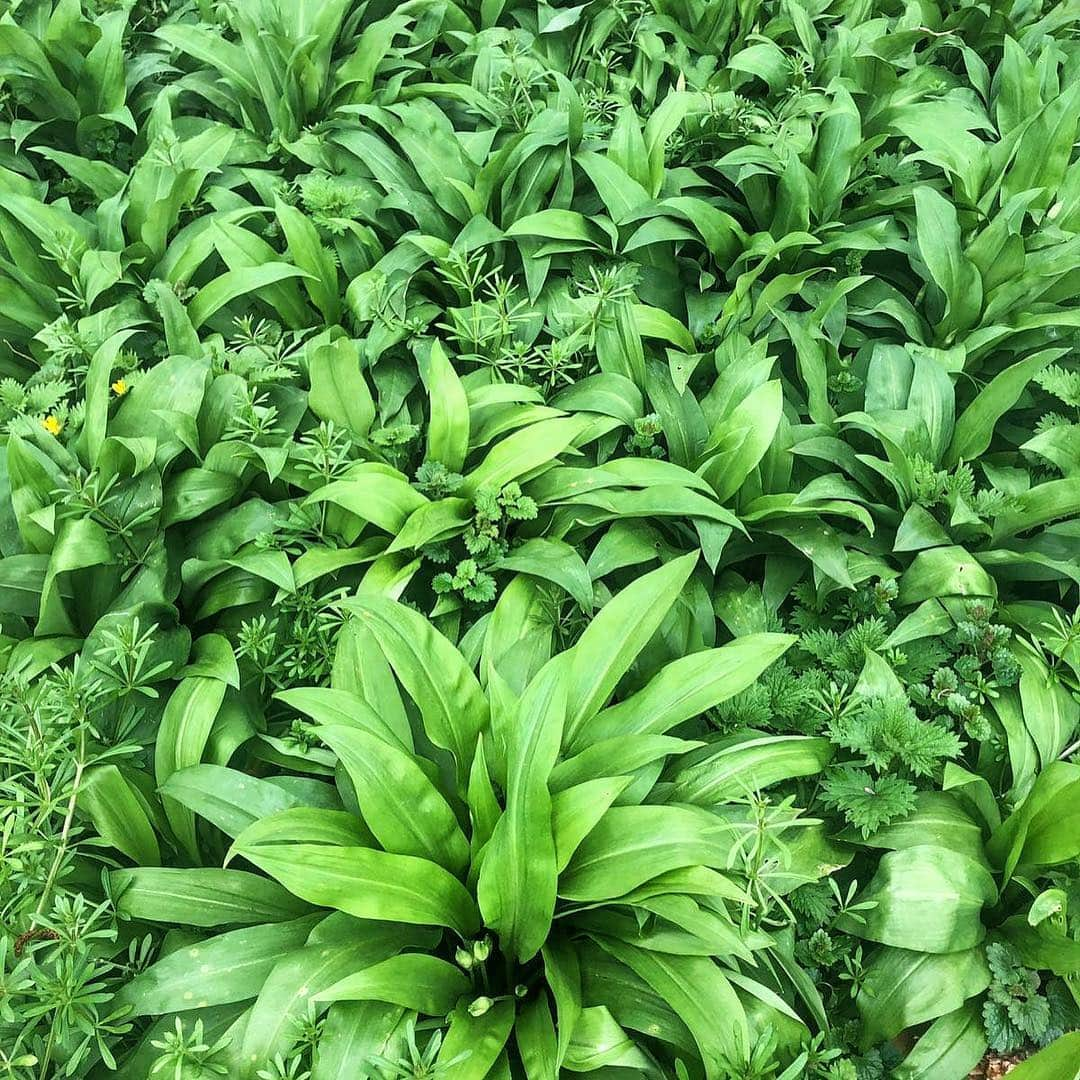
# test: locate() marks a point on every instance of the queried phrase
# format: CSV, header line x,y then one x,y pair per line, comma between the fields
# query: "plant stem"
x,y
1069,751
65,832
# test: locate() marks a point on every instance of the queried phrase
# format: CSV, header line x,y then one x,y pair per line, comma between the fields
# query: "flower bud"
x,y
480,1006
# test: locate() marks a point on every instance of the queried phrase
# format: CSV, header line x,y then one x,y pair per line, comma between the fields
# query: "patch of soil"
x,y
995,1066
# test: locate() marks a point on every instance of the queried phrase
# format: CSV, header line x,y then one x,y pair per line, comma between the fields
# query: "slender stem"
x,y
118,530
47,1053
1070,750
65,832
54,869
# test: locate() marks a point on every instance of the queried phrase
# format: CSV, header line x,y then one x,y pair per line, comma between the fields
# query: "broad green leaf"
x,y
433,673
360,668
554,224
536,1040
941,249
563,973
621,755
952,1046
230,967
556,561
1023,754
820,543
97,394
631,844
1042,830
524,452
328,705
117,812
373,493
931,398
613,639
227,798
1039,505
655,323
233,284
1051,713
352,1033
975,426
175,385
739,442
905,988
938,818
576,810
308,253
339,393
81,544
516,887
432,523
304,825
474,1043
619,192
181,741
926,894
687,687
745,763
400,805
836,150
369,884
448,424
632,1001
413,980
947,571
285,995
202,897
696,989
975,790
1058,1061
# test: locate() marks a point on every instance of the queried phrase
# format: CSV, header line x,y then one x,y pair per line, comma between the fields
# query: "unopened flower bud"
x,y
480,1006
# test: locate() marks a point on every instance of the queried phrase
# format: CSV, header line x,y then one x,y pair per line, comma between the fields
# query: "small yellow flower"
x,y
52,425
120,387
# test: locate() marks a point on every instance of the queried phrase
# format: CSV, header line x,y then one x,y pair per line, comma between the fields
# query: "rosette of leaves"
x,y
73,78
506,484
501,855
270,68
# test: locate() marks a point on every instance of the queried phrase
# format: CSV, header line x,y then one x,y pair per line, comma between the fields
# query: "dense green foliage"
x,y
539,540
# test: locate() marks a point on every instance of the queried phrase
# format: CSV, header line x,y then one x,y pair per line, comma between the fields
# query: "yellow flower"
x,y
120,388
52,425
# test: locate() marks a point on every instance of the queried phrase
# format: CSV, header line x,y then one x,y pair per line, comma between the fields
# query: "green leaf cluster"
x,y
538,538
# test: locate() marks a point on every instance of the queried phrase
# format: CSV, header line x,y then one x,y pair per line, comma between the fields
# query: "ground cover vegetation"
x,y
539,540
